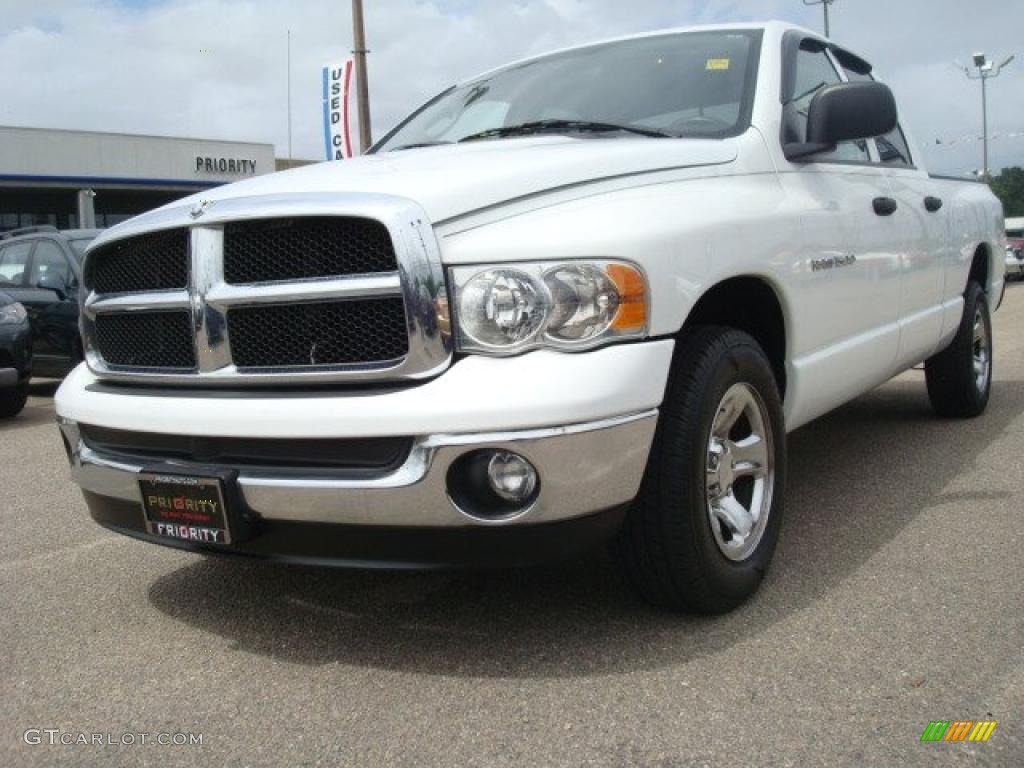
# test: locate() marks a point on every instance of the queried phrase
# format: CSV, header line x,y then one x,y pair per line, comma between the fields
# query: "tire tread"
x,y
13,400
657,546
949,374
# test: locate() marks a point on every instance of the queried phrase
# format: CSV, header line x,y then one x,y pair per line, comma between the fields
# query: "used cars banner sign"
x,y
337,82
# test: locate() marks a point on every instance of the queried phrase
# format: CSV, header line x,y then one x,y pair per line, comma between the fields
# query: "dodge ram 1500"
x,y
579,298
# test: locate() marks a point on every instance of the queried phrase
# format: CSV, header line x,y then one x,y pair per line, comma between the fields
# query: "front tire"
x,y
959,378
705,523
12,401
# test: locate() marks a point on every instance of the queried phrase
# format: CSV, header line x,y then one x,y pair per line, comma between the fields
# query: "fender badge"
x,y
831,262
199,209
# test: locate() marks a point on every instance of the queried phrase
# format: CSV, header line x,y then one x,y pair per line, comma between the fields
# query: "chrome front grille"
x,y
328,296
324,333
270,250
151,262
147,339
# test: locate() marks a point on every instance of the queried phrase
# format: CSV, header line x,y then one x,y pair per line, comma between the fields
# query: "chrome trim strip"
x,y
583,467
319,289
136,302
419,280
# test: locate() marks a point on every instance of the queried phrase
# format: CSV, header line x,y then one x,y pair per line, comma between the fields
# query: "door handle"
x,y
884,206
932,204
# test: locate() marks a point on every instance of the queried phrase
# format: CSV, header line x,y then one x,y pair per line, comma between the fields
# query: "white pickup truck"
x,y
580,298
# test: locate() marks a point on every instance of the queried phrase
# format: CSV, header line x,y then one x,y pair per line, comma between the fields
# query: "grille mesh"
x,y
329,333
146,339
151,262
298,248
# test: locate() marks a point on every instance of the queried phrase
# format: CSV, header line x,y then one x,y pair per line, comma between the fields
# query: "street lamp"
x,y
824,5
986,70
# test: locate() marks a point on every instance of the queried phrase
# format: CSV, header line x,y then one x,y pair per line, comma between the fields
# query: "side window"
x,y
13,260
50,260
814,71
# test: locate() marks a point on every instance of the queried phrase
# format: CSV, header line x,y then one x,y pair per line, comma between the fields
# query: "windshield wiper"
x,y
418,145
557,126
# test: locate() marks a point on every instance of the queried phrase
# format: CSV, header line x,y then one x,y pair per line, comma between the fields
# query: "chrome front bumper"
x,y
583,468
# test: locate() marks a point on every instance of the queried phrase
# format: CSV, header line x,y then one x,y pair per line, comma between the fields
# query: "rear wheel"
x,y
704,526
959,377
13,400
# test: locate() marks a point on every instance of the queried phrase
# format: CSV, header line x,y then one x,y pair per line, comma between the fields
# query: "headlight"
x,y
507,309
12,314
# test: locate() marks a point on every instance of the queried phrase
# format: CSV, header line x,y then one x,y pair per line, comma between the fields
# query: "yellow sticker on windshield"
x,y
717,64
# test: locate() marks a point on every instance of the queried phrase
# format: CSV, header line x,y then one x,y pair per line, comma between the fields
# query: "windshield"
x,y
79,245
691,84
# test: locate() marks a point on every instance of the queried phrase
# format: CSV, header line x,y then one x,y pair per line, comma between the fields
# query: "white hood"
x,y
450,181
453,180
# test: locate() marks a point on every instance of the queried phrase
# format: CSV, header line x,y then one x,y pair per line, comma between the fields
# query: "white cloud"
x,y
137,65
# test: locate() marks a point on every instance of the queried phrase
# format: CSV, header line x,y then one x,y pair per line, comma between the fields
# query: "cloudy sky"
x,y
217,68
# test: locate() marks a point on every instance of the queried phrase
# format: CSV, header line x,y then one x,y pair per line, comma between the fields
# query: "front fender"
x,y
687,235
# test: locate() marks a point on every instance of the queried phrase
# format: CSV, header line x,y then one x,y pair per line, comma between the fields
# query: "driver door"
x,y
54,317
849,264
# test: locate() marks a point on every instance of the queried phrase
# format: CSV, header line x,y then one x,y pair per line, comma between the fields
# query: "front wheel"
x,y
959,378
13,400
704,526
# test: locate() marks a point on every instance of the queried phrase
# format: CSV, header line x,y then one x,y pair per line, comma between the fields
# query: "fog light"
x,y
493,485
511,476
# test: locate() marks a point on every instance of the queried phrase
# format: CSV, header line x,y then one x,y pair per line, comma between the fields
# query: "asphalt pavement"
x,y
895,599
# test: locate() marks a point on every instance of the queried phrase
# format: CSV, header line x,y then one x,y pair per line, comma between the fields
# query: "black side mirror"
x,y
846,112
54,283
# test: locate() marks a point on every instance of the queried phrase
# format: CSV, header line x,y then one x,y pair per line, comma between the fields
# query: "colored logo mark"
x,y
958,730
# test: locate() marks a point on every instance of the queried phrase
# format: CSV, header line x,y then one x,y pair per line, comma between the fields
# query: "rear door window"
x,y
49,260
893,149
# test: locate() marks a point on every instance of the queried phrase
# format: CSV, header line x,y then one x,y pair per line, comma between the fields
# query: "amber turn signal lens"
x,y
444,318
632,314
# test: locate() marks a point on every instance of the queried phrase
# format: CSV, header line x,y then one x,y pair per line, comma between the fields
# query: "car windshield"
x,y
697,84
79,245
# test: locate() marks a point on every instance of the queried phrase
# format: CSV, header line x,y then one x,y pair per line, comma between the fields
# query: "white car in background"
x,y
1015,247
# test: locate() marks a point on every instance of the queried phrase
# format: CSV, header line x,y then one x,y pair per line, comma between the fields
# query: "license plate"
x,y
185,508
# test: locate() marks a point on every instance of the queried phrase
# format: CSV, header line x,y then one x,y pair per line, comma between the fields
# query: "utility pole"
x,y
824,5
986,70
289,98
362,82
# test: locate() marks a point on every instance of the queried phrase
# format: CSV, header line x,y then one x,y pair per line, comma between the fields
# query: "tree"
x,y
1008,186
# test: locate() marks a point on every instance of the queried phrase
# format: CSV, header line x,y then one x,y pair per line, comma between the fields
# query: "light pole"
x,y
986,70
824,5
289,98
362,82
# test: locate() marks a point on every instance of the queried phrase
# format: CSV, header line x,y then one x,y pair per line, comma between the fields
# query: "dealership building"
x,y
80,178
